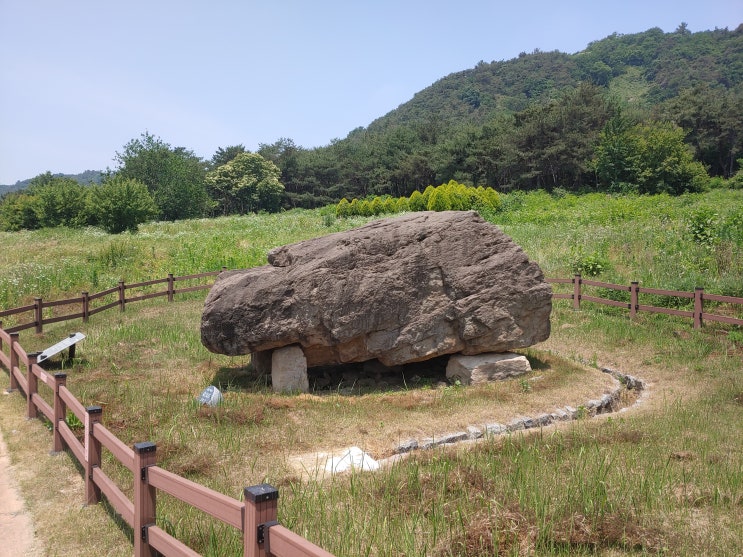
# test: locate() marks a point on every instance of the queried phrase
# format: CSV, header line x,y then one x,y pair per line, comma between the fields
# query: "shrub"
x,y
59,201
702,224
426,196
376,206
456,194
389,205
366,209
343,209
489,198
439,200
403,205
19,211
417,202
121,204
589,265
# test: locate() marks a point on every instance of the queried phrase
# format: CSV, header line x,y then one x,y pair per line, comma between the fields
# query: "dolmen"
x,y
398,290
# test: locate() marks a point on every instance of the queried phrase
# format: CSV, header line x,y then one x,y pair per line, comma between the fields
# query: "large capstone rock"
x,y
400,290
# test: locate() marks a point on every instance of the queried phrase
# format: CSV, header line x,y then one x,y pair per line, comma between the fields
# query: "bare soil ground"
x,y
16,524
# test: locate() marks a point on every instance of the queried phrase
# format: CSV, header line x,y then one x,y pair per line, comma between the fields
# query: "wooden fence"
x,y
634,294
255,516
90,304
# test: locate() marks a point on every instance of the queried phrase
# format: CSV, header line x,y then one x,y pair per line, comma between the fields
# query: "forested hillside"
x,y
536,121
645,113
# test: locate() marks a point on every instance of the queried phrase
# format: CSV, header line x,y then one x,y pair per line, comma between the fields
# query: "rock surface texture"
x,y
484,368
400,290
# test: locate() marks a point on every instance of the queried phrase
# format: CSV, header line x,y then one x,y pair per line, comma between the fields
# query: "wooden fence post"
x,y
60,410
633,298
261,511
92,454
13,363
33,386
698,306
576,292
38,319
122,296
145,500
86,307
171,287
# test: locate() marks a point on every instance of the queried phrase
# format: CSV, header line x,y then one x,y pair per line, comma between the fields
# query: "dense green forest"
x,y
537,122
644,113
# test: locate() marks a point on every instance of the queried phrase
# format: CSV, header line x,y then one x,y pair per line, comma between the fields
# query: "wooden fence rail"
x,y
255,516
85,301
633,296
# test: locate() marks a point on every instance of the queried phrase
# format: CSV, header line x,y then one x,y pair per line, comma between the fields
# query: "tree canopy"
x,y
174,176
121,204
248,183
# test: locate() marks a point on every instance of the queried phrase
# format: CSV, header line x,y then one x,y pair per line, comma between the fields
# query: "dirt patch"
x,y
16,524
53,490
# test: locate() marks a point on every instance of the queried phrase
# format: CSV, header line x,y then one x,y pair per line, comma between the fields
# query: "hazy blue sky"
x,y
79,79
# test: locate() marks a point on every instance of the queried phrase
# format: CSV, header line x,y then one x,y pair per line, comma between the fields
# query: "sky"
x,y
80,79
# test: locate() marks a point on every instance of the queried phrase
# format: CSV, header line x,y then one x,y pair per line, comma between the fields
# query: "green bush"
x,y
343,209
426,195
489,198
588,265
19,211
451,196
439,200
457,196
376,206
417,203
121,204
389,205
366,209
702,225
403,205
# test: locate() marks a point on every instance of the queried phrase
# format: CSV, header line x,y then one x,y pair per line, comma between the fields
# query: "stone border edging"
x,y
591,408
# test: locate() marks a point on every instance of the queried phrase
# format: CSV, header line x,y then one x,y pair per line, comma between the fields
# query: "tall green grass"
x,y
661,241
655,240
667,482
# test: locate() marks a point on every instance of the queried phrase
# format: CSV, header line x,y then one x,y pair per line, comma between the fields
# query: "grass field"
x,y
663,477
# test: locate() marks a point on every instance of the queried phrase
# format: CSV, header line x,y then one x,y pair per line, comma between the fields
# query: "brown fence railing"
x,y
631,296
90,304
254,516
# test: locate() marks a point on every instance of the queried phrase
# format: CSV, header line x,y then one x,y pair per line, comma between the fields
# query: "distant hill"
x,y
534,121
84,178
658,65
